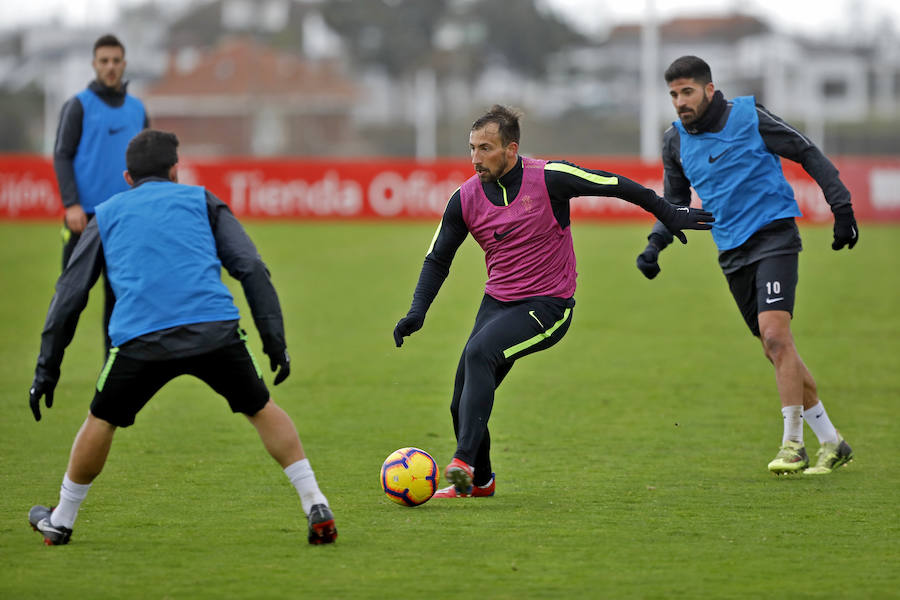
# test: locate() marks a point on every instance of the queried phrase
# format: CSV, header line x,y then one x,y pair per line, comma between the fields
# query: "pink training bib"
x,y
526,251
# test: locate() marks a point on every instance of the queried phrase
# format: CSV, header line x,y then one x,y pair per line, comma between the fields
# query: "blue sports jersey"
x,y
100,158
737,178
161,260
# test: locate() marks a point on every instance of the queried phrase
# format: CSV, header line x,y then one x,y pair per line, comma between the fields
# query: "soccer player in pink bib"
x,y
517,209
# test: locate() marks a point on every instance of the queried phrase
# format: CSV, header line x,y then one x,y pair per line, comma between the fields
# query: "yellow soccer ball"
x,y
409,476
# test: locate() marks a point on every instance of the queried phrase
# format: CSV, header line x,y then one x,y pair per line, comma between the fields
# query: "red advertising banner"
x,y
406,189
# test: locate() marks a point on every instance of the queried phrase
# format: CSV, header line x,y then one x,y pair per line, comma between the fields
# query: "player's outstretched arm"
x,y
446,241
72,289
240,258
788,142
568,180
431,278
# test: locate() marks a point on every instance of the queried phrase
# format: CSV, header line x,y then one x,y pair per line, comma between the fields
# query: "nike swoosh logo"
x,y
771,300
713,159
531,312
44,525
500,236
113,131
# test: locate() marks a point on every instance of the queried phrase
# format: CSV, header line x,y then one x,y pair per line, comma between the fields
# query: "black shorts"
x,y
768,284
126,384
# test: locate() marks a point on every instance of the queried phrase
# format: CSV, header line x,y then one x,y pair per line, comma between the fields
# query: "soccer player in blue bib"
x,y
95,126
728,150
164,245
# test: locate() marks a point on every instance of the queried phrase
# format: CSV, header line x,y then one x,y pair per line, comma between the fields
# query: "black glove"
x,y
408,325
280,359
845,230
40,387
685,217
647,261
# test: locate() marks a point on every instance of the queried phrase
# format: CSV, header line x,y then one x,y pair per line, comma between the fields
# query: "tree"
x,y
399,35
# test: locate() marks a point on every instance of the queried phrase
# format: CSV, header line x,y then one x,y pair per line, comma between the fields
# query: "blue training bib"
x,y
736,176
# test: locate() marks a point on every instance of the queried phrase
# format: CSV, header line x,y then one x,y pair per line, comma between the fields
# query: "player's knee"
x,y
255,411
775,343
478,352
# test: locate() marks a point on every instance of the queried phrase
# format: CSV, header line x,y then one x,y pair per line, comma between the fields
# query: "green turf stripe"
x,y
107,368
592,177
243,335
536,339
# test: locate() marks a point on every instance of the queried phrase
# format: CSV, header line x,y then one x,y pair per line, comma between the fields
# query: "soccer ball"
x,y
409,476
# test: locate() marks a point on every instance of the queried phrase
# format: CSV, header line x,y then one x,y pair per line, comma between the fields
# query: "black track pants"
x,y
503,333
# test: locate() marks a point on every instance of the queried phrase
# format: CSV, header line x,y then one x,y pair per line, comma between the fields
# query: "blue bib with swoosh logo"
x,y
736,176
100,157
161,260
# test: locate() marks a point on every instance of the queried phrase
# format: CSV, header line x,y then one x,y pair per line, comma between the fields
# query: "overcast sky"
x,y
814,17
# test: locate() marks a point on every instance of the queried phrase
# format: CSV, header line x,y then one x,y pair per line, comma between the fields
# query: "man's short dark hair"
x,y
151,153
689,67
108,40
507,120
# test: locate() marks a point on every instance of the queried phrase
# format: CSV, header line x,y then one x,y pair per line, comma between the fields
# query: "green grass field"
x,y
630,458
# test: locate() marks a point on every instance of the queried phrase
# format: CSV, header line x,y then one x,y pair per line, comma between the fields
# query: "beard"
x,y
689,116
486,175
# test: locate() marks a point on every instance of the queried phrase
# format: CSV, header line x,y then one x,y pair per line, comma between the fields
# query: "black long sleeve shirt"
x,y
239,257
562,187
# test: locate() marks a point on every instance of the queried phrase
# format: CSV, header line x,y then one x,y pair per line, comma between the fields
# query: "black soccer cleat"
x,y
39,518
321,525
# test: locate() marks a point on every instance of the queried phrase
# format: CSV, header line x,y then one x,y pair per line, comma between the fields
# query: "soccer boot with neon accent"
x,y
475,491
460,475
39,518
321,525
791,458
830,457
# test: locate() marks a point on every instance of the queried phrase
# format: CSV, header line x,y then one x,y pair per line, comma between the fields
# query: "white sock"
x,y
793,423
70,496
820,424
301,475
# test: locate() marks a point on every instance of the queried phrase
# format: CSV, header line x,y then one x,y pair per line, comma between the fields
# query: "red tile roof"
x,y
241,65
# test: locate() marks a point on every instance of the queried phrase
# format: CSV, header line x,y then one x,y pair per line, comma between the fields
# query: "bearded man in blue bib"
x,y
728,151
